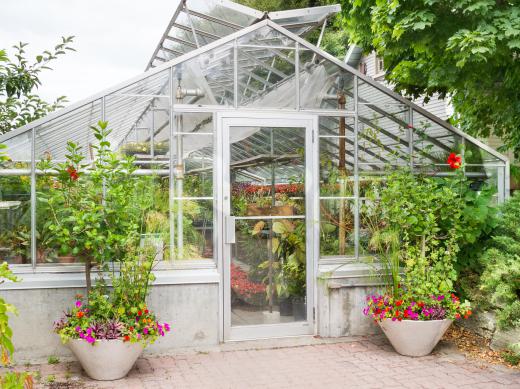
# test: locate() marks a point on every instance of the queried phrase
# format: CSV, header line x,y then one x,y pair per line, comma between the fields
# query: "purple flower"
x,y
78,329
440,298
145,330
78,304
167,327
90,339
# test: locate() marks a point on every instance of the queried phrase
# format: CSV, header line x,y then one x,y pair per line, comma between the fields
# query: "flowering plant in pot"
x,y
425,220
96,215
109,331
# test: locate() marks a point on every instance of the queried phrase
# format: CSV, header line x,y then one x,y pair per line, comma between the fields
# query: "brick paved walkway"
x,y
352,363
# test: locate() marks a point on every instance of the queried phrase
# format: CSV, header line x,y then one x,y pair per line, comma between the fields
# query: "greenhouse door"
x,y
267,261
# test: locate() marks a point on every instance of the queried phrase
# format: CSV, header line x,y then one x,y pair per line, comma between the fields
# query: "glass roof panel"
x,y
266,78
197,23
322,82
208,77
432,142
52,137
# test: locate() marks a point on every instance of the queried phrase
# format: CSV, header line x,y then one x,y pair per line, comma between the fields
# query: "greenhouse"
x,y
257,158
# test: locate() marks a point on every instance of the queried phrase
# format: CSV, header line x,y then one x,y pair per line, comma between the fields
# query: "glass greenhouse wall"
x,y
259,162
170,120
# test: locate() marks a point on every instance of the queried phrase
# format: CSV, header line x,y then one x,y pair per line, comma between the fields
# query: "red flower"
x,y
131,329
73,173
399,303
146,311
140,313
457,316
455,161
80,314
126,338
420,304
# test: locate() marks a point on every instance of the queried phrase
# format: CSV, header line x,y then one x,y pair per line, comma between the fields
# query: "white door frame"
x,y
225,223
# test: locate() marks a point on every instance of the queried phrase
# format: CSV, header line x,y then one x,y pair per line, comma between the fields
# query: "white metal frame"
x,y
32,128
309,124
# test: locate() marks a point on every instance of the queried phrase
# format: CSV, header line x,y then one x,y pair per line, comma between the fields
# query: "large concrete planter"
x,y
414,338
106,360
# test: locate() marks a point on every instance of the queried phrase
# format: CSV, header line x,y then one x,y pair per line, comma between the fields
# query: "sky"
x,y
114,39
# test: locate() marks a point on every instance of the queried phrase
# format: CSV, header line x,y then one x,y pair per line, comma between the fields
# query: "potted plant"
x,y
108,332
85,204
289,246
418,246
84,210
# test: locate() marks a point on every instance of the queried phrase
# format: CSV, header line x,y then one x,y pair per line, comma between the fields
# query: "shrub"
x,y
501,262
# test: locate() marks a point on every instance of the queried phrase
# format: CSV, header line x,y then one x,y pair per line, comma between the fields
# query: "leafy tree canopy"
x,y
19,78
465,49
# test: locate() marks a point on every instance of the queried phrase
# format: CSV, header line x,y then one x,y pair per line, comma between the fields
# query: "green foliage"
x,y
426,221
427,213
6,333
18,80
53,360
467,50
289,247
85,211
512,356
500,279
119,312
16,380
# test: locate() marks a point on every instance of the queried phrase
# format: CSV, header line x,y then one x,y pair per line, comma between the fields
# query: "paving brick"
x,y
352,364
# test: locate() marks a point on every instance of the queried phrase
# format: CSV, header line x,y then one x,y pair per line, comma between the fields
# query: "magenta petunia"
x,y
78,304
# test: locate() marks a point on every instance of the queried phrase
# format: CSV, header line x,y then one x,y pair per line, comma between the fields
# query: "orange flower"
x,y
80,314
126,338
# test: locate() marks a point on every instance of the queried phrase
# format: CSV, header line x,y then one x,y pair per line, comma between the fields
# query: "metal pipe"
x,y
172,168
152,133
33,199
342,174
356,169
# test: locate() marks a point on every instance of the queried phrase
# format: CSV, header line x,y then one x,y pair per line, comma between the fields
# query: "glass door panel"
x,y
268,257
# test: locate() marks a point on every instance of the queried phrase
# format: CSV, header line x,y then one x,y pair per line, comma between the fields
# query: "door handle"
x,y
229,230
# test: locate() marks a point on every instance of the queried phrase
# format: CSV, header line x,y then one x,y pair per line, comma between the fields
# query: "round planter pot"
x,y
67,259
414,338
106,360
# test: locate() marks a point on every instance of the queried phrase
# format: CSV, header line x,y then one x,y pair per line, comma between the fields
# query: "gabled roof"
x,y
195,23
318,76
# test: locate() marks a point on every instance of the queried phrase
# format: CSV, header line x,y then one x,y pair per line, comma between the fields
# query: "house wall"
x,y
439,107
191,309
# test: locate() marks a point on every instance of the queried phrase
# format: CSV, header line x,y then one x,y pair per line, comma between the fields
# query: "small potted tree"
x,y
418,244
107,330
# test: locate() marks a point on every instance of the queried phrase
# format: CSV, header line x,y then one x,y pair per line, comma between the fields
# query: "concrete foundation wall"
x,y
191,309
341,299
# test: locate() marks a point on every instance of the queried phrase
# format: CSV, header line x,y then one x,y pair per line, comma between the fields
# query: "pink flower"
x,y
78,304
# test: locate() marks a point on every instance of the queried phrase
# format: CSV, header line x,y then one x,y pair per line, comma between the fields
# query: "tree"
x,y
467,50
19,78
